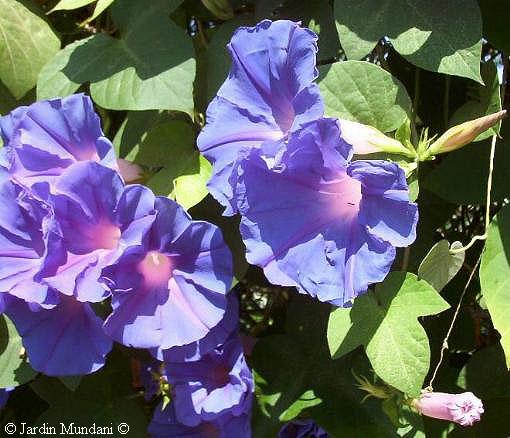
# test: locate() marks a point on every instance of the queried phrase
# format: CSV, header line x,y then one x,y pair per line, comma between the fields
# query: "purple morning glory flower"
x,y
219,383
171,289
269,92
216,336
330,226
165,425
30,243
98,219
45,138
67,339
302,429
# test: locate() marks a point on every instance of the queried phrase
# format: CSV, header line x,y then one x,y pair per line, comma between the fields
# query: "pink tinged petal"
x,y
85,199
308,233
65,340
464,409
130,172
156,269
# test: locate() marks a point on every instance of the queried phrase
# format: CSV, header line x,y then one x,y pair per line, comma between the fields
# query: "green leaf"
x,y
105,397
27,42
475,378
439,266
483,100
295,372
385,323
68,5
151,66
188,189
444,39
168,143
365,93
101,6
133,131
14,369
161,140
495,276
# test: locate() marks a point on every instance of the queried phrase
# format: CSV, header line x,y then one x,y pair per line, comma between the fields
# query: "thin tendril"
x,y
487,204
444,346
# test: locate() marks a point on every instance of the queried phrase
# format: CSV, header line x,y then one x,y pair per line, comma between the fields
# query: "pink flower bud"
x,y
464,409
463,134
368,140
130,172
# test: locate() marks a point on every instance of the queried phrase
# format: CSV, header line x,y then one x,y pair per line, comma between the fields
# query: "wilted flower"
x,y
45,138
329,226
302,429
464,409
269,92
170,289
220,383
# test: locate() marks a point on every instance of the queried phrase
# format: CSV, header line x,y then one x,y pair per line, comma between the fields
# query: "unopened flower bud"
x,y
130,172
463,134
368,140
464,409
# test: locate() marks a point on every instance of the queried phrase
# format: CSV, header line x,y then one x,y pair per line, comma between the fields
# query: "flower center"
x,y
347,197
155,268
220,375
106,235
209,430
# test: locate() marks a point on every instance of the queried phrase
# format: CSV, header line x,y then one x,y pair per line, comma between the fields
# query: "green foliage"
x,y
482,101
101,6
147,137
105,397
385,323
457,180
439,266
295,374
445,39
364,93
27,42
151,65
410,67
495,277
14,369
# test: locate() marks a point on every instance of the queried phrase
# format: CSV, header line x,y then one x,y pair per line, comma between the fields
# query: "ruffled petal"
x,y
50,135
268,92
385,208
216,336
65,340
307,233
